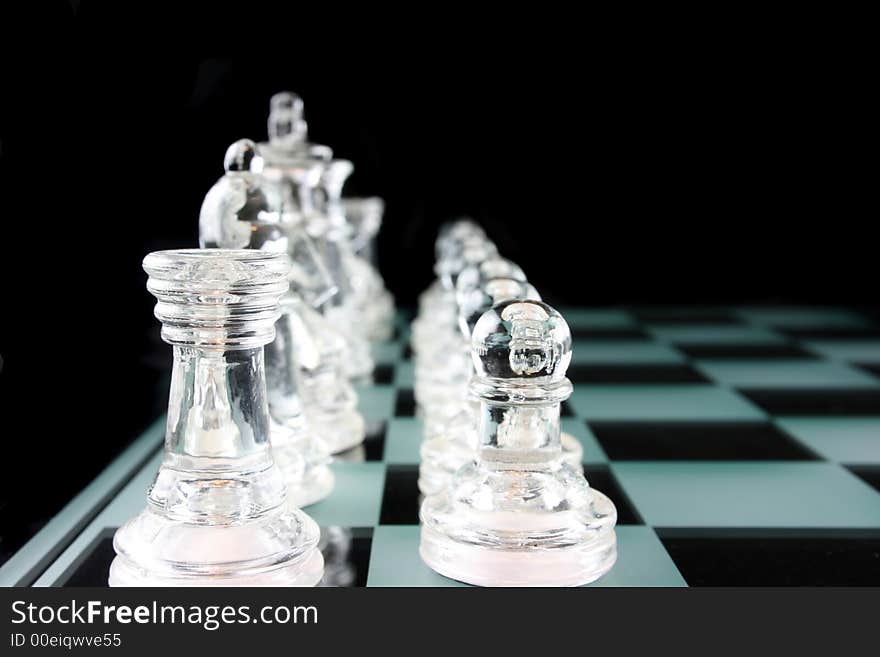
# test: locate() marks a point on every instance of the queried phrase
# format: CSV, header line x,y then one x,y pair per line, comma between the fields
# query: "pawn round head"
x,y
471,251
453,233
475,276
521,339
240,156
472,304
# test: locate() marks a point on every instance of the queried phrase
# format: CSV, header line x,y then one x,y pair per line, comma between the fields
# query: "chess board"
x,y
741,446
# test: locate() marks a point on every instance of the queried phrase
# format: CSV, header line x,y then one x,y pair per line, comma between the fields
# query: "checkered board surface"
x,y
741,446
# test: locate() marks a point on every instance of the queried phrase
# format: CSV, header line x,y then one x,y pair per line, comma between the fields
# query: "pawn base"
x,y
518,547
482,566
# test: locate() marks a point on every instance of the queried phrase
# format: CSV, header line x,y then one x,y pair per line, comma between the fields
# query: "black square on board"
x,y
831,333
697,441
374,440
623,333
634,373
92,566
401,498
383,374
602,479
870,368
870,474
660,315
759,557
815,401
405,404
346,552
373,447
768,351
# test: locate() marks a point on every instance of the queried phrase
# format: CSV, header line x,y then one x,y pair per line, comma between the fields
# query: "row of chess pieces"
x,y
271,322
506,502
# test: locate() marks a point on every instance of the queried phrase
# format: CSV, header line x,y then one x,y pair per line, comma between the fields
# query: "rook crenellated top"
x,y
222,299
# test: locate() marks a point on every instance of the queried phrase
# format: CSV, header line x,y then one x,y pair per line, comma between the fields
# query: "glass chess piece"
x,y
449,240
475,294
518,515
452,442
442,369
313,202
375,303
329,227
217,513
240,211
364,216
439,298
301,449
456,355
329,400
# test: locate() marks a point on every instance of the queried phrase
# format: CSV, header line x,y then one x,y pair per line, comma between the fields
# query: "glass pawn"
x,y
452,442
438,301
519,515
442,370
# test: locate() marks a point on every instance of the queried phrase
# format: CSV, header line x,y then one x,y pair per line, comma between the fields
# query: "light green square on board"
x,y
376,402
661,402
852,440
405,374
605,351
356,499
597,318
748,494
803,317
854,351
803,373
593,452
403,440
696,334
395,560
641,560
386,353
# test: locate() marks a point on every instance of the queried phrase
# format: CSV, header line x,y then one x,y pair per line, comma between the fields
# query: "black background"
x,y
624,162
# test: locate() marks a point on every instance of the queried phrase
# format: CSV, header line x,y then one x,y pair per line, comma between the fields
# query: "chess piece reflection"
x,y
217,513
335,546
